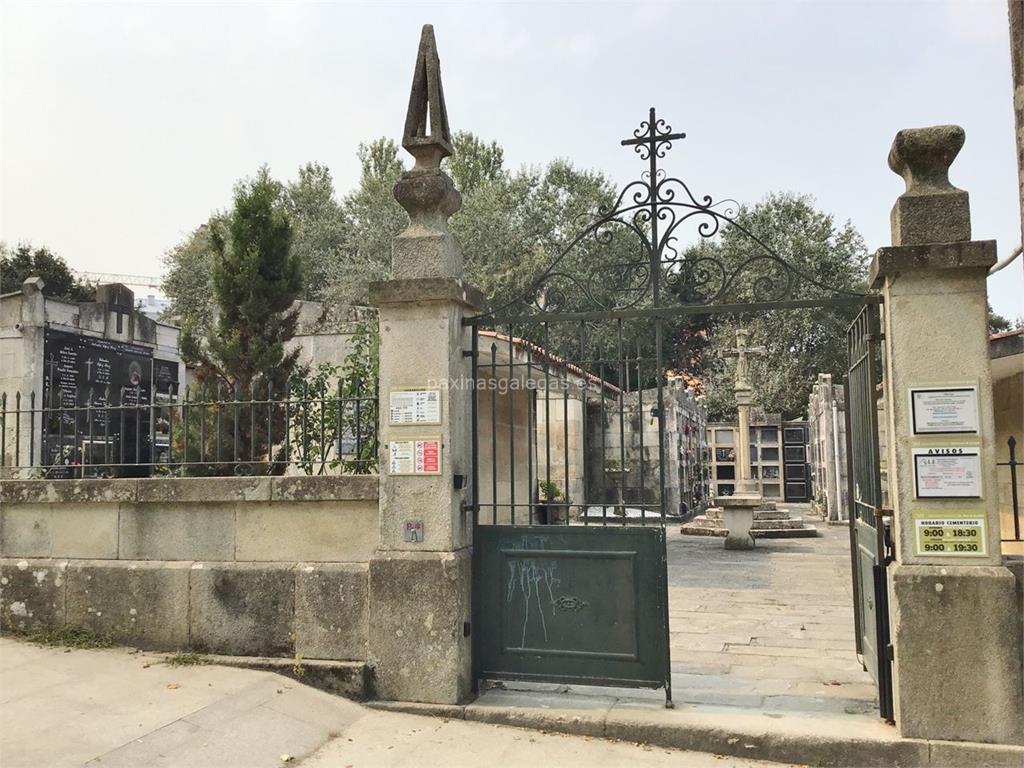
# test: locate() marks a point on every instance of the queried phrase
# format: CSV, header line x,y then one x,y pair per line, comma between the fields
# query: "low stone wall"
x,y
240,566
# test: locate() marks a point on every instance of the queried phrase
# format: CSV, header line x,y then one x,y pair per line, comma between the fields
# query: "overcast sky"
x,y
122,126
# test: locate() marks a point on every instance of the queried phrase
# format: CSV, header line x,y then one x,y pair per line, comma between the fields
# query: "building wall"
x,y
625,450
324,334
1008,404
505,448
559,434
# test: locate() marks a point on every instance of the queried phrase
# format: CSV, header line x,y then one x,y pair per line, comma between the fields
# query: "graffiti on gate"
x,y
528,579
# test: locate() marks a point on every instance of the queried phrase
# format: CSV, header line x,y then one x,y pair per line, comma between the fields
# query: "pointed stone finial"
x,y
931,210
427,136
426,248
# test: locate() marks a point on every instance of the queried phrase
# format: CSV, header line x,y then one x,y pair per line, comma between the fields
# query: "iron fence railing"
x,y
1012,463
208,431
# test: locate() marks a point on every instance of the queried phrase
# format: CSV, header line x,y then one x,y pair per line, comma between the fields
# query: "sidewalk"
x,y
117,708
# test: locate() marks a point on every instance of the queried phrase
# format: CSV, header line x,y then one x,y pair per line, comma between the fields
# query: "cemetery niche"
x,y
96,393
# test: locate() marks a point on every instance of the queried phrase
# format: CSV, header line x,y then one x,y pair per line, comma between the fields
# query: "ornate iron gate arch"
x,y
566,588
653,208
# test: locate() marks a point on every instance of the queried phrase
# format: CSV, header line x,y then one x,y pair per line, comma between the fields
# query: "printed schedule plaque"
x,y
949,535
419,456
949,410
415,406
948,472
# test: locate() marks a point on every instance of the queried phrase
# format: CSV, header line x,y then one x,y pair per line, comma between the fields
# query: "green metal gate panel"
x,y
572,604
869,546
867,558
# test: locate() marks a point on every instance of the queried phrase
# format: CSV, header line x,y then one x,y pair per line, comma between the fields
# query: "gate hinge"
x,y
890,652
467,353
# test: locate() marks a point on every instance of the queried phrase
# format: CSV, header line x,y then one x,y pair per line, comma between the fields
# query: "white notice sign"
x,y
416,406
948,409
415,457
947,472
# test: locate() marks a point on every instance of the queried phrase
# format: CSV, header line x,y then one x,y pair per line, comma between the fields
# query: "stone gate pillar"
x,y
955,631
420,574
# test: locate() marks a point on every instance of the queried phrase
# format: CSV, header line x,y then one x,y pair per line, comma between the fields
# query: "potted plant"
x,y
548,494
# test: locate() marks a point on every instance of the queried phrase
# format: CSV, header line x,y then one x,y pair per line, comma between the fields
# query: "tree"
x,y
256,279
374,217
800,343
319,240
321,231
474,162
23,262
188,282
510,227
999,324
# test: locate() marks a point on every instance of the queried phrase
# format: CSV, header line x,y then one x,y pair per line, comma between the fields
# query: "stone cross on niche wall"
x,y
742,363
427,136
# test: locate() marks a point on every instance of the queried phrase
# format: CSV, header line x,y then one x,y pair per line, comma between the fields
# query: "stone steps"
x,y
774,514
777,525
769,523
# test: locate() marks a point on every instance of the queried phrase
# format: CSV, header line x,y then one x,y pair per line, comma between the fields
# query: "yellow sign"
x,y
949,535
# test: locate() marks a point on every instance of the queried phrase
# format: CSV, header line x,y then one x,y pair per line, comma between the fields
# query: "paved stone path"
x,y
769,628
767,632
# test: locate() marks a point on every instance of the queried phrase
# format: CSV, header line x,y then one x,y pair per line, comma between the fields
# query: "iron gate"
x,y
870,542
570,488
569,538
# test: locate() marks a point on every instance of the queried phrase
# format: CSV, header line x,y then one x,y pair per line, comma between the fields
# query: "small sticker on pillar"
x,y
412,531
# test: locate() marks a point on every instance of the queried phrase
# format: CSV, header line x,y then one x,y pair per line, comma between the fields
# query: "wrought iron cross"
x,y
648,138
651,141
740,353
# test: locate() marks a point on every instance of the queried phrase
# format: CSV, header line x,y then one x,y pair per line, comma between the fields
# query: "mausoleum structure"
x,y
324,332
826,411
56,353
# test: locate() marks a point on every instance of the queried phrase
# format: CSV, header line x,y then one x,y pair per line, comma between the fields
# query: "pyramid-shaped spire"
x,y
427,137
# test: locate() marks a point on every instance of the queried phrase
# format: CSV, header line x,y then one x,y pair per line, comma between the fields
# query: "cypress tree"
x,y
256,279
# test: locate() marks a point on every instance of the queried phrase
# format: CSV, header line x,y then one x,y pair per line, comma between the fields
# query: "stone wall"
x,y
623,447
242,566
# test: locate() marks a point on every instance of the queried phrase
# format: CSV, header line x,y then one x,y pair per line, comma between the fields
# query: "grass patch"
x,y
69,637
186,659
